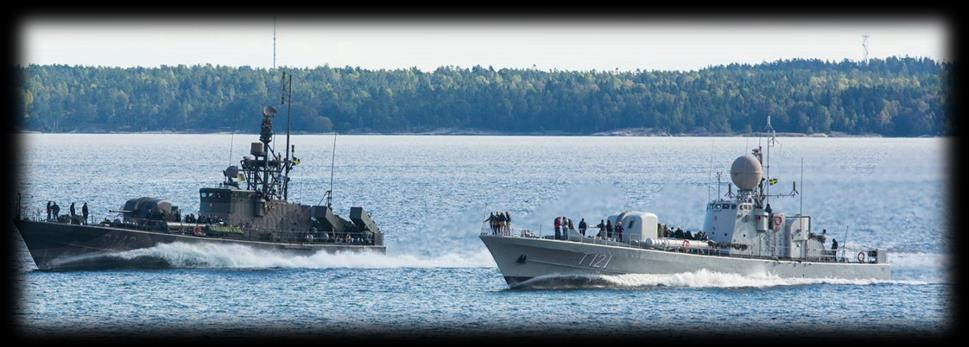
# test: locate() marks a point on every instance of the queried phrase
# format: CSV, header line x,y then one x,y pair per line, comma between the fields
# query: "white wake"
x,y
698,279
180,254
704,278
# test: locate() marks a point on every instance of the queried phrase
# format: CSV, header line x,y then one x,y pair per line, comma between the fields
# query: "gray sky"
x,y
566,45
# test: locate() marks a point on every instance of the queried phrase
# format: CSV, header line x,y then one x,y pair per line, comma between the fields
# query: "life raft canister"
x,y
861,257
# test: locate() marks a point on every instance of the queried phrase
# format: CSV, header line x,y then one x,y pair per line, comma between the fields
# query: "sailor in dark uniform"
x,y
492,222
84,212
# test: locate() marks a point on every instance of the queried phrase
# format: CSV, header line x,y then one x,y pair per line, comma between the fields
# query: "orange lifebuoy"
x,y
861,257
197,230
686,245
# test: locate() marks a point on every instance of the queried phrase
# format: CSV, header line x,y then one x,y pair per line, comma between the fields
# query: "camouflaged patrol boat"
x,y
249,208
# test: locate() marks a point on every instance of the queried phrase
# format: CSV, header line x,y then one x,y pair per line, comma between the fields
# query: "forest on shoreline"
x,y
890,97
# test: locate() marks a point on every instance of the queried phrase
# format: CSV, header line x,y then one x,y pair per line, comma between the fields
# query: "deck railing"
x,y
828,256
200,229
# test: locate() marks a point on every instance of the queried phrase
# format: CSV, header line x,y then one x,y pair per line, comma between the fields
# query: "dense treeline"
x,y
893,97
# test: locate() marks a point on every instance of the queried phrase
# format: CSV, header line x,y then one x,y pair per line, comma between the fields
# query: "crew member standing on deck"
x,y
73,213
582,227
608,229
770,217
558,228
49,209
619,229
84,212
56,209
602,229
491,223
508,221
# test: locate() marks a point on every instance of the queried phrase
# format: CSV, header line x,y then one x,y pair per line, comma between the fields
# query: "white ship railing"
x,y
828,256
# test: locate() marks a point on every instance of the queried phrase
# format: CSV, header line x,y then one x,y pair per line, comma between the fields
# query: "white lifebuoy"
x,y
861,257
777,221
686,245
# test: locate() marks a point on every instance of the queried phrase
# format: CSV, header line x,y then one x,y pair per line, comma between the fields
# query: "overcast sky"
x,y
599,44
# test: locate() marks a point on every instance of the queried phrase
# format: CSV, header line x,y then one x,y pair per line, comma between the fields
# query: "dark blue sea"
x,y
430,193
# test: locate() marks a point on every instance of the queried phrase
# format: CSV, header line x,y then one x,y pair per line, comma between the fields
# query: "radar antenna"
x,y
268,172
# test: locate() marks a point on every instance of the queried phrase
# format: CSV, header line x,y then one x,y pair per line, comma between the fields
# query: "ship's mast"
x,y
329,193
762,195
770,140
274,42
289,109
267,173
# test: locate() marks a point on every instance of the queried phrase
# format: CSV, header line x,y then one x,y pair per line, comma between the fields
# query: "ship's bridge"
x,y
227,203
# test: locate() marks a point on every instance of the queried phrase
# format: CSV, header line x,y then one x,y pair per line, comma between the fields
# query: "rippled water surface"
x,y
430,193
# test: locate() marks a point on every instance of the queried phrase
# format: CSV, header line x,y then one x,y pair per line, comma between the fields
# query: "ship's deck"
x,y
201,230
834,257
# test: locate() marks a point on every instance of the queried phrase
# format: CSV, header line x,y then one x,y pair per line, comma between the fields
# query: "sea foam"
x,y
699,279
180,254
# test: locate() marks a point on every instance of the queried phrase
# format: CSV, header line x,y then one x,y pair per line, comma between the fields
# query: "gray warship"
x,y
248,208
742,235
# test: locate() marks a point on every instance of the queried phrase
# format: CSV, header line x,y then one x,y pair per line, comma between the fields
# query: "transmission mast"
x,y
864,45
274,42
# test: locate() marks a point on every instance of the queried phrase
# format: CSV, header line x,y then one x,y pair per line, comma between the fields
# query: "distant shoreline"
x,y
452,132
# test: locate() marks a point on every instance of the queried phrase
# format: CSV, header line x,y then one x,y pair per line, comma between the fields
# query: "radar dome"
x,y
746,172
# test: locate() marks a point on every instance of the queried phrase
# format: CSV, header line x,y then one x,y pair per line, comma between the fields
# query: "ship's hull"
x,y
520,259
58,246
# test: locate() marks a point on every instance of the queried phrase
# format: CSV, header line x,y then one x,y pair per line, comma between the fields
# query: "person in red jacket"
x,y
558,228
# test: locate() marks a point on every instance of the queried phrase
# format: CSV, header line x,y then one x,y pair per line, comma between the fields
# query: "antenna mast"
x,y
329,193
770,142
274,42
710,170
864,45
800,205
231,141
718,185
289,109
